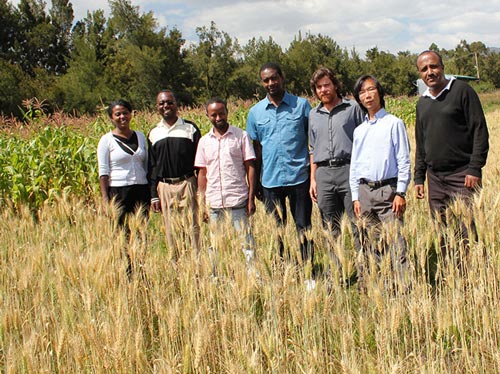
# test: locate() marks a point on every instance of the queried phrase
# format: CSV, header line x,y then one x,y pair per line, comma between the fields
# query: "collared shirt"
x,y
282,132
330,132
427,92
381,150
171,151
224,157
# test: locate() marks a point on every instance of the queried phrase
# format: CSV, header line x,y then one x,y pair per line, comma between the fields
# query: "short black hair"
x,y
271,65
216,100
119,102
165,90
359,84
431,51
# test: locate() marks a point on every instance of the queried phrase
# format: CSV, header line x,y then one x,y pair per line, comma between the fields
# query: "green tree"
x,y
305,55
9,29
140,58
255,53
43,42
214,62
11,88
85,85
382,65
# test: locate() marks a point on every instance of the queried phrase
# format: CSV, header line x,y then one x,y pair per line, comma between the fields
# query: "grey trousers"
x,y
334,199
376,211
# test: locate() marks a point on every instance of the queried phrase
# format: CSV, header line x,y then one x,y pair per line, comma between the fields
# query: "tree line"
x,y
79,66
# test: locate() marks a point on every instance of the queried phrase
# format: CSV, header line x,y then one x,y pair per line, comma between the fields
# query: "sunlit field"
x,y
68,306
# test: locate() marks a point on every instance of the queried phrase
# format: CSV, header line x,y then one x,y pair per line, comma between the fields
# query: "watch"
x,y
401,194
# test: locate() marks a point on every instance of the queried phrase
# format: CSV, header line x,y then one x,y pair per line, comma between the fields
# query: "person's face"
x,y
121,116
217,114
431,71
326,90
166,105
369,96
273,83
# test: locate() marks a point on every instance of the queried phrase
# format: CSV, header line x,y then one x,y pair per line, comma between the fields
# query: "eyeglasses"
x,y
367,90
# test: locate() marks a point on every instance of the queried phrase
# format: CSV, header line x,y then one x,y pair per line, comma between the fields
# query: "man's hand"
x,y
357,208
419,191
399,205
156,206
313,191
204,216
250,207
472,181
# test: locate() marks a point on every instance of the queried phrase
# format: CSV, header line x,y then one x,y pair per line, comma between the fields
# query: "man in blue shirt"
x,y
379,176
278,126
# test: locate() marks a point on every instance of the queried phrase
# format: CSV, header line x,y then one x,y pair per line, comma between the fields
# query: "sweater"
x,y
450,133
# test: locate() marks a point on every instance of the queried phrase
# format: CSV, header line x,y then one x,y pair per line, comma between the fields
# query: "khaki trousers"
x,y
179,206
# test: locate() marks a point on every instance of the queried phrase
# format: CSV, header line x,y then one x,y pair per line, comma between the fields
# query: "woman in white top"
x,y
123,165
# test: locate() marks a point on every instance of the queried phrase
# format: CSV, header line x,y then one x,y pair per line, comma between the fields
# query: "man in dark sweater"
x,y
451,139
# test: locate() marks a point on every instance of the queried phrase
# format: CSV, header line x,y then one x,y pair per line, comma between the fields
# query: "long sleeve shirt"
x,y
123,169
380,151
450,132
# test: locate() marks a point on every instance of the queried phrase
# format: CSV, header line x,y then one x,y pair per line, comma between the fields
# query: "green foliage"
x,y
10,76
127,54
307,54
48,163
47,157
404,108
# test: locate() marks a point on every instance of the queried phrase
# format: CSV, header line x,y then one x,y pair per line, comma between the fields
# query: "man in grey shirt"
x,y
331,127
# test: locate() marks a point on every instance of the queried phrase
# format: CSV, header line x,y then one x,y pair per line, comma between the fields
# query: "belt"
x,y
378,184
334,162
177,179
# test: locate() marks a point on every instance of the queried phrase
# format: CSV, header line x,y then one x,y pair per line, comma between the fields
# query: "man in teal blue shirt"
x,y
278,125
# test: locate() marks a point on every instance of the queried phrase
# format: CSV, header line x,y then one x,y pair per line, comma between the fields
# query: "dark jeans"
x,y
301,208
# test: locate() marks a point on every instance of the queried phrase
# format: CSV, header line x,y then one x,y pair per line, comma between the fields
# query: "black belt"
x,y
334,162
378,184
177,179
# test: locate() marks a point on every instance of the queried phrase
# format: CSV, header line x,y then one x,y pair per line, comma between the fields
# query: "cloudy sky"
x,y
390,25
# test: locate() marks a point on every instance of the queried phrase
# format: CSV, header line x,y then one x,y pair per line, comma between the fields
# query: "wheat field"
x,y
68,306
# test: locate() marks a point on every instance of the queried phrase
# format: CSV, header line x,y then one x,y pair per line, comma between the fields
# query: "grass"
x,y
67,305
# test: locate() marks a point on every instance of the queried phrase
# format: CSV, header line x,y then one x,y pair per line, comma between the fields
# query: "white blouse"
x,y
122,168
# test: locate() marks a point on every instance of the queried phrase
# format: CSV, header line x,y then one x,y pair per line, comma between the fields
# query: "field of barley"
x,y
68,306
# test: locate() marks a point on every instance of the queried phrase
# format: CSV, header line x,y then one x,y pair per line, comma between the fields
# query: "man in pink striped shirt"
x,y
226,178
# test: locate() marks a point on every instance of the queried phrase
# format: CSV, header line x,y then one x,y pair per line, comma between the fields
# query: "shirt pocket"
x,y
263,128
295,122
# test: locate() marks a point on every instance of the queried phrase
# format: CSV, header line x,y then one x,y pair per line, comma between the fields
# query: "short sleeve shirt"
x,y
282,132
331,132
224,158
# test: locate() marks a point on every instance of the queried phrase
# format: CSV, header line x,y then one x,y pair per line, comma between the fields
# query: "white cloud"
x,y
393,25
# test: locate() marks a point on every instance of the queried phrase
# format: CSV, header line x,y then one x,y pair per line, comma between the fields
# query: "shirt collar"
x,y
286,99
179,121
343,101
380,114
427,92
212,132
